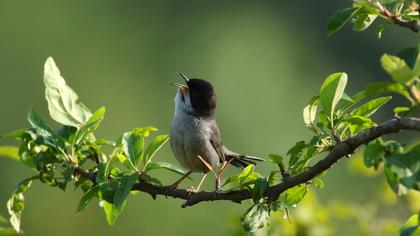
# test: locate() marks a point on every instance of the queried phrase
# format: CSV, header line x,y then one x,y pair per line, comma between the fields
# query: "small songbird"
x,y
194,135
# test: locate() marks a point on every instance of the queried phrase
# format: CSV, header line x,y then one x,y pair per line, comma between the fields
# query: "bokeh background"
x,y
265,58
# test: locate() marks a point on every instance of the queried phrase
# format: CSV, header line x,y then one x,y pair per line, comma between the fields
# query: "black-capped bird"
x,y
194,135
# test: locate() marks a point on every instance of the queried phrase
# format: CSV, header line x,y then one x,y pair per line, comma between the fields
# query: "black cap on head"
x,y
202,96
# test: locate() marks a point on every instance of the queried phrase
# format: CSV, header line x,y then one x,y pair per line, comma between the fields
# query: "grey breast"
x,y
190,137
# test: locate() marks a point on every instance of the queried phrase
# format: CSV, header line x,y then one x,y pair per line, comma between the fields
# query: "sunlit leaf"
x,y
133,144
412,226
11,152
294,195
397,68
309,112
91,124
62,100
154,146
331,91
370,107
16,203
112,212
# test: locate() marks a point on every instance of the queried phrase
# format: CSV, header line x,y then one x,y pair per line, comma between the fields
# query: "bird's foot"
x,y
192,190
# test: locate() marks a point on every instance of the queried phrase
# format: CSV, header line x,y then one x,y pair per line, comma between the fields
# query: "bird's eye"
x,y
195,93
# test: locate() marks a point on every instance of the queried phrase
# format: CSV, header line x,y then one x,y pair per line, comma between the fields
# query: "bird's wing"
x,y
216,141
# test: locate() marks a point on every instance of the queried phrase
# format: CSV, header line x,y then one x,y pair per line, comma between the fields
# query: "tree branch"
x,y
340,150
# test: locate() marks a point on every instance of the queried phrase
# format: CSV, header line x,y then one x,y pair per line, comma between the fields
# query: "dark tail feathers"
x,y
242,161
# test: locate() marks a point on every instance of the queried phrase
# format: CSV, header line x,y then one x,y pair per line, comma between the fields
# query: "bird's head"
x,y
197,96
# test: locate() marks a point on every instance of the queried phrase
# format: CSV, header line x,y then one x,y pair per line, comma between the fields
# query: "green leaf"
x,y
133,144
309,112
87,198
276,159
318,183
247,171
398,110
62,100
397,68
10,152
14,134
7,231
256,217
374,154
331,91
402,169
145,131
294,195
295,152
411,227
165,165
370,107
375,89
410,56
124,189
339,19
363,21
112,212
16,203
90,125
260,186
154,146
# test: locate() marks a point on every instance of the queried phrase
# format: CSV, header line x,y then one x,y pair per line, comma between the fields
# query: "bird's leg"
x,y
175,185
219,174
193,189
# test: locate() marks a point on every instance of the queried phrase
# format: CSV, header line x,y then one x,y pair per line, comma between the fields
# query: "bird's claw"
x,y
192,190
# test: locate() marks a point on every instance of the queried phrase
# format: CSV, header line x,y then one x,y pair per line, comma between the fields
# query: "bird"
x,y
194,136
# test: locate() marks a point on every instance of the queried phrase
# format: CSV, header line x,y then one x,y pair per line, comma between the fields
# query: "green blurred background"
x,y
265,58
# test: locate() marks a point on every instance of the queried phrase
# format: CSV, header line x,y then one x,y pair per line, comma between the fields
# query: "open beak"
x,y
182,87
184,77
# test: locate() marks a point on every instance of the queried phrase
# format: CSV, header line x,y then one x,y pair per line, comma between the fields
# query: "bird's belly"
x,y
190,139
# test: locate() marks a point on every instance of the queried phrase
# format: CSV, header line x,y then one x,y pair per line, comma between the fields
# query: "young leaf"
x,y
397,68
16,203
90,125
309,112
154,146
112,212
87,198
370,107
331,91
256,217
133,144
10,152
165,165
318,183
62,100
124,189
247,171
339,19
